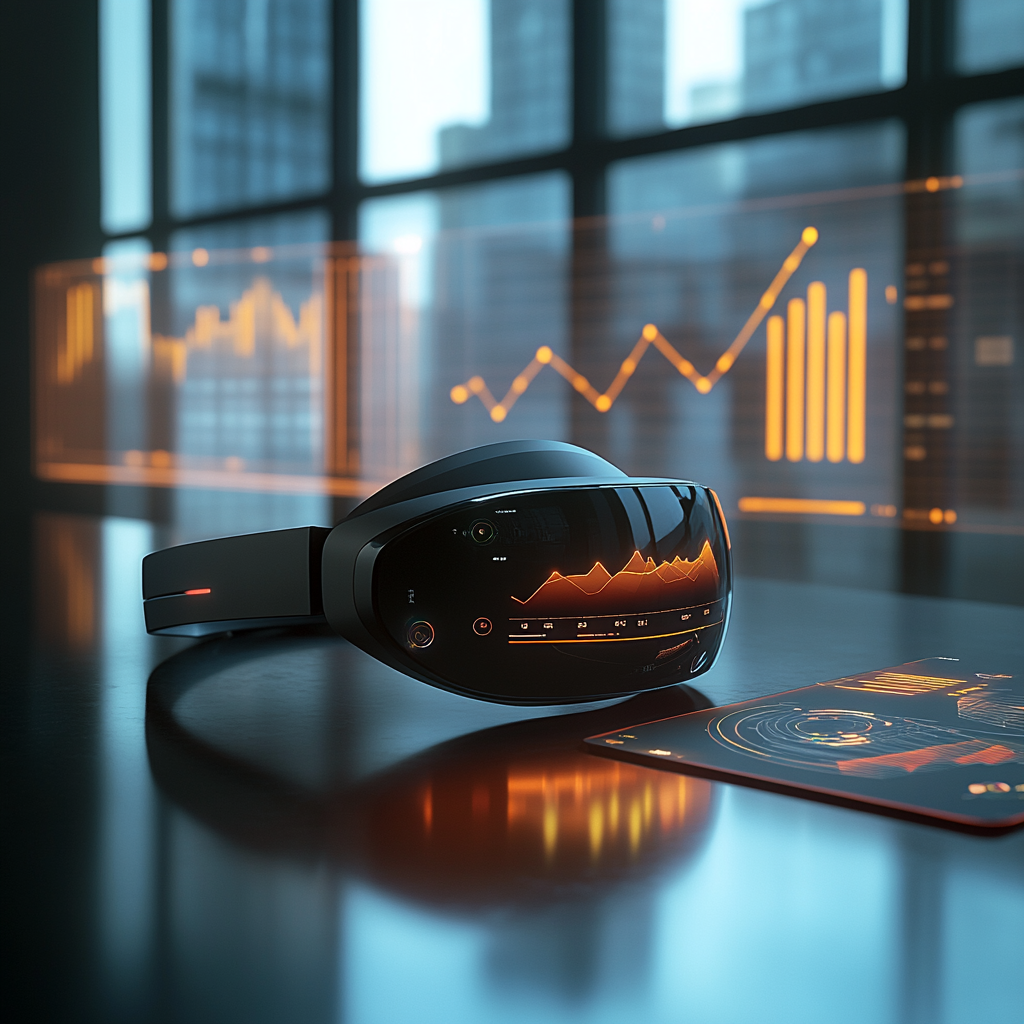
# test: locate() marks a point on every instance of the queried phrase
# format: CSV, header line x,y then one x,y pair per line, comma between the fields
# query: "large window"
x,y
243,109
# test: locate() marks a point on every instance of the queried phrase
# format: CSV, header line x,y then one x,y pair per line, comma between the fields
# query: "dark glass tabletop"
x,y
274,827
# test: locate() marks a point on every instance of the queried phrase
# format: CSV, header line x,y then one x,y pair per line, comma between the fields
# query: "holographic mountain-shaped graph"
x,y
650,335
260,312
640,586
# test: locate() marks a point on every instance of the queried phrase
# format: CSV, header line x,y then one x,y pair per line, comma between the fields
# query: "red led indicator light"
x,y
204,590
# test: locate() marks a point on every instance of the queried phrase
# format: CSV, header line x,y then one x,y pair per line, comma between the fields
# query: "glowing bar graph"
x,y
795,328
858,345
79,330
773,419
816,372
810,506
816,377
836,386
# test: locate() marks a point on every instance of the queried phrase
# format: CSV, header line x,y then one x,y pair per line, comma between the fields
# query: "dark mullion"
x,y
160,60
587,160
944,96
925,555
159,401
586,156
319,200
929,82
344,197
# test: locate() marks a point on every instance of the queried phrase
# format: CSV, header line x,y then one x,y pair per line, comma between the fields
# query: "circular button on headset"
x,y
421,634
483,531
482,626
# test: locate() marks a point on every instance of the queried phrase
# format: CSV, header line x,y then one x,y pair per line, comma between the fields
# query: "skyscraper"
x,y
796,50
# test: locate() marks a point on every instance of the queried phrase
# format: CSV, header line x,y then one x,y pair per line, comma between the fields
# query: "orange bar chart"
x,y
776,388
816,377
816,372
858,358
795,324
836,386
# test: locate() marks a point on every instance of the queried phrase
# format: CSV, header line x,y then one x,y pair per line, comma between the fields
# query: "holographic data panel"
x,y
925,738
597,590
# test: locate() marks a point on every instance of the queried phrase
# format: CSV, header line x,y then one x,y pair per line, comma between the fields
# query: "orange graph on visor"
x,y
650,335
639,585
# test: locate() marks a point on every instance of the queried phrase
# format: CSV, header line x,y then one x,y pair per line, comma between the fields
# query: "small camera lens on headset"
x,y
483,531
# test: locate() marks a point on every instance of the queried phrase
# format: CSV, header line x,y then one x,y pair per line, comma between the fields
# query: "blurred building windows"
x,y
483,269
265,106
460,82
125,114
780,164
407,225
264,407
989,142
990,35
680,62
411,86
224,401
126,307
990,136
250,102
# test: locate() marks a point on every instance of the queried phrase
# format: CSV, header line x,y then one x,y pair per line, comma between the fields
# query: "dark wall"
x,y
49,186
49,209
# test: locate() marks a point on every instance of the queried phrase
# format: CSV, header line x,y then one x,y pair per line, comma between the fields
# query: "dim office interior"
x,y
262,257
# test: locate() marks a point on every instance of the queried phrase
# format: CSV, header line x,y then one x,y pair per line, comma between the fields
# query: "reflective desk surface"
x,y
277,828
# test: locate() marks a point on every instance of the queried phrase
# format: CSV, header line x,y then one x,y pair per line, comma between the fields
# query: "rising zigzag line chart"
x,y
650,335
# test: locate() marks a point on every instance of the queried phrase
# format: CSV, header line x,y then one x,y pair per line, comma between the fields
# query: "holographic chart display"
x,y
642,599
841,357
926,738
535,597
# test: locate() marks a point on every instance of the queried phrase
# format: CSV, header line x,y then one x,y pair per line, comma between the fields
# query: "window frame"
x,y
926,104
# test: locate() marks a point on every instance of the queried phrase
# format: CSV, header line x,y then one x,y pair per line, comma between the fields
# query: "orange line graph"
x,y
650,335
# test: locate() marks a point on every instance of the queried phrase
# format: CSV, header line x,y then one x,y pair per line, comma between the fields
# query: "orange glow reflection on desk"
x,y
600,807
493,824
556,814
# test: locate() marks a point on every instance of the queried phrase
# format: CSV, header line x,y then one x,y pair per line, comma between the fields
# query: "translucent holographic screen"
x,y
847,355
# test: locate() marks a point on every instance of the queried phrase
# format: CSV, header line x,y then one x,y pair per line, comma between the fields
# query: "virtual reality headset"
x,y
525,572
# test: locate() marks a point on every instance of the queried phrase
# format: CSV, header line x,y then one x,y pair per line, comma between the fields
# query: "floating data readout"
x,y
543,603
926,738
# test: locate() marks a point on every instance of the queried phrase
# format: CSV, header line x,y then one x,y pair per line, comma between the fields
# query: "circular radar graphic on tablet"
x,y
854,743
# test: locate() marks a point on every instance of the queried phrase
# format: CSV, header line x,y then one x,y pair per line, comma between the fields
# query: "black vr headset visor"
x,y
526,572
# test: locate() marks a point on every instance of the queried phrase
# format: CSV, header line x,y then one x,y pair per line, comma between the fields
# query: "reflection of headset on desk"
x,y
525,572
503,816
